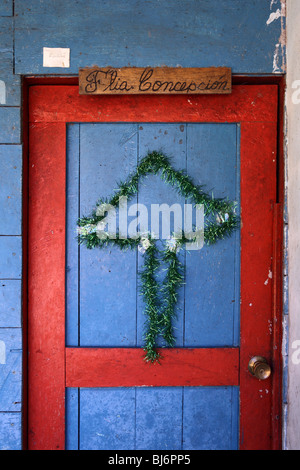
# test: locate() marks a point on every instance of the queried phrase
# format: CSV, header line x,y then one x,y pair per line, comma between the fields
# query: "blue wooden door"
x,y
105,309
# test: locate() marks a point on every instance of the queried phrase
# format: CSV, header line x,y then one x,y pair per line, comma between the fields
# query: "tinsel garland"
x,y
160,313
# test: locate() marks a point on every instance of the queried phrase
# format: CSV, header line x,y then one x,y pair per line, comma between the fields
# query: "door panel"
x,y
163,418
106,301
85,338
108,308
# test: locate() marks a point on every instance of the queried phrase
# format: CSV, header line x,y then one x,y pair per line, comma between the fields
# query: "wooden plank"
x,y
170,139
11,431
10,302
10,84
64,104
46,286
10,369
124,367
186,32
6,31
6,8
10,189
159,80
108,154
153,418
210,418
258,190
72,248
213,320
72,421
10,257
107,419
277,378
159,418
10,125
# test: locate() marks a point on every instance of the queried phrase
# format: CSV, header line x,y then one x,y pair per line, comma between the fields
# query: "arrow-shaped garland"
x,y
160,313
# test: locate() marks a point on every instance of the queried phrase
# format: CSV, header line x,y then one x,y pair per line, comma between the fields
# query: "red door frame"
x,y
50,108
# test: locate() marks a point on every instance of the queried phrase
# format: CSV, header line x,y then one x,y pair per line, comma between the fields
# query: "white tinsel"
x,y
144,244
86,229
173,245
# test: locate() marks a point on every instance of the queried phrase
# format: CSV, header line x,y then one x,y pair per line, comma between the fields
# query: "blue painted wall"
x,y
195,33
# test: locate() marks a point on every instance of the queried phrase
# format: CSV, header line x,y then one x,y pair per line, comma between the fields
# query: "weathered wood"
x,y
187,33
6,31
64,104
10,130
160,80
6,8
258,170
46,289
10,369
10,303
258,190
115,367
10,257
11,427
10,189
160,418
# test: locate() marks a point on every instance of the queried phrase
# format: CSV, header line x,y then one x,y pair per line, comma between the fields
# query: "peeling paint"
x,y
270,326
274,16
279,62
270,275
272,3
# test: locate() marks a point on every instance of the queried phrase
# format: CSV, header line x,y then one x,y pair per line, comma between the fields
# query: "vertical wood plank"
x,y
10,257
258,190
10,130
10,189
6,8
212,295
208,416
46,287
10,369
170,139
107,419
10,303
159,418
108,153
72,418
277,377
72,248
11,431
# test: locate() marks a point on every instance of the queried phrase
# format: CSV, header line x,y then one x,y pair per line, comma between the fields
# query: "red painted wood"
x,y
258,191
63,103
115,367
50,108
46,286
277,325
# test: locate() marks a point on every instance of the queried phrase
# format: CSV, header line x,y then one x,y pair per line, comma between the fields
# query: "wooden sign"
x,y
160,80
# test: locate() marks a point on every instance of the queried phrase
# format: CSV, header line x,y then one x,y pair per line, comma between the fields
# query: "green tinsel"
x,y
150,291
174,279
161,313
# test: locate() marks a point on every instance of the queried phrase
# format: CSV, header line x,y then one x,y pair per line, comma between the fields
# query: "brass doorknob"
x,y
258,366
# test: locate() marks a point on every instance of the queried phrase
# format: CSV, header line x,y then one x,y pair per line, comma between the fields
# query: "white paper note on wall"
x,y
56,57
